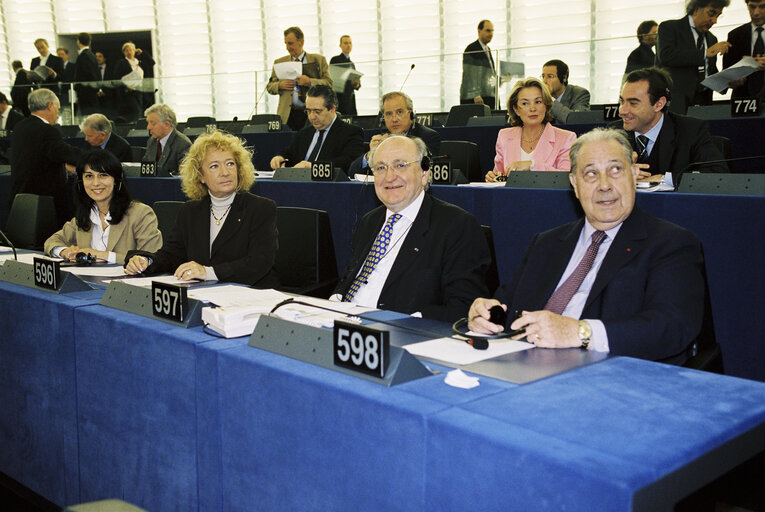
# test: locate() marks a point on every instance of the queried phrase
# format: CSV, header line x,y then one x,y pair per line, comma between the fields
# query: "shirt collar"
x,y
411,211
653,133
589,229
103,146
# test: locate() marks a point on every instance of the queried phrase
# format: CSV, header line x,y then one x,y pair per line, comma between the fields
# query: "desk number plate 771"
x,y
361,349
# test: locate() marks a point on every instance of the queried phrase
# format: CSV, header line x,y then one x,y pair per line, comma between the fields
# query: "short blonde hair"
x,y
129,43
515,119
191,166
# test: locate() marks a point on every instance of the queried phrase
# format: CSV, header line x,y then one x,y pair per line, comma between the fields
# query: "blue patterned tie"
x,y
376,253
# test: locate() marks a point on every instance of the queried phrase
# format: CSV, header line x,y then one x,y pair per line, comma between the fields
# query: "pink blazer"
x,y
551,153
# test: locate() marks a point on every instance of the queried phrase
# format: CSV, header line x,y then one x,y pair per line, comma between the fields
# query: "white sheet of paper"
x,y
458,379
288,70
97,270
460,353
229,295
145,282
719,81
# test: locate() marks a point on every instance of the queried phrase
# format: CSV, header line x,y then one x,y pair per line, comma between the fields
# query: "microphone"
x,y
255,108
677,176
5,238
407,78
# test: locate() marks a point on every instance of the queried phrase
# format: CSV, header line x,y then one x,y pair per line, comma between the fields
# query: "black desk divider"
x,y
137,300
314,345
722,183
538,179
21,273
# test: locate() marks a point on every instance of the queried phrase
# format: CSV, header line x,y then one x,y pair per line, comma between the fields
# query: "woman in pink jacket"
x,y
532,144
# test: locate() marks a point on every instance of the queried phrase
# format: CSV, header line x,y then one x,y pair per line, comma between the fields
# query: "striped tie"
x,y
376,253
562,296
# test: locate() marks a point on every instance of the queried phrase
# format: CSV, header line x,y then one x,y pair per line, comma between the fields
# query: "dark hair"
x,y
3,98
16,64
100,160
645,28
562,69
659,83
294,31
482,23
326,92
700,4
83,38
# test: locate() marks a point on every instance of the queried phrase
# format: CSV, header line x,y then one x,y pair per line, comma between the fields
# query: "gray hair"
x,y
407,100
97,122
597,135
39,99
164,113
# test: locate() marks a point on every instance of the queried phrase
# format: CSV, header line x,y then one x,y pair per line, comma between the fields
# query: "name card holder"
x,y
148,169
23,274
315,345
745,107
140,301
307,174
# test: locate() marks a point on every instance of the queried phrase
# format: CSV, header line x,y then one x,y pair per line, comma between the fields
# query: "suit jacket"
x,y
574,99
38,154
641,57
676,52
341,144
67,74
137,230
54,62
243,252
13,119
476,73
430,137
440,268
86,70
175,149
740,39
649,291
22,86
315,66
119,147
682,140
346,100
551,153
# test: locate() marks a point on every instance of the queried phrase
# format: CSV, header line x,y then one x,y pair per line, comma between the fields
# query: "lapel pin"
x,y
416,249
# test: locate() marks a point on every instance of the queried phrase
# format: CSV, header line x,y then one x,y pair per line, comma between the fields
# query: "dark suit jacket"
x,y
175,149
682,141
740,39
341,144
641,57
22,86
243,252
649,291
119,147
431,138
55,63
86,70
574,99
440,268
67,75
38,155
346,100
676,52
476,73
13,119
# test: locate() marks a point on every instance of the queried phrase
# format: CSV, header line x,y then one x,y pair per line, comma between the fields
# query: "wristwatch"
x,y
584,334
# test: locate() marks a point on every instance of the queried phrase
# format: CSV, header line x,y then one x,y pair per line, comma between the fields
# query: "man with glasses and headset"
x,y
415,254
328,139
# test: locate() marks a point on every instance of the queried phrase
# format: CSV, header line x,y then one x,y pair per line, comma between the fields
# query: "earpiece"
x,y
425,163
83,259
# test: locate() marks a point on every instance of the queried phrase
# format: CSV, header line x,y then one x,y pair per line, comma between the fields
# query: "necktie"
x,y
159,150
756,79
315,153
376,253
560,299
700,47
642,143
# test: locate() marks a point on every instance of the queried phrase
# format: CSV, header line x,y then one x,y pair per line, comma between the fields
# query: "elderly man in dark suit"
x,y
415,253
86,74
39,154
328,139
346,100
98,133
167,146
689,52
643,56
479,77
663,141
748,39
398,114
618,281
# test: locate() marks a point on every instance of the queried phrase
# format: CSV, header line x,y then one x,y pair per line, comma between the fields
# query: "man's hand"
x,y
642,171
478,316
303,163
286,85
304,81
547,330
478,100
277,161
719,48
136,265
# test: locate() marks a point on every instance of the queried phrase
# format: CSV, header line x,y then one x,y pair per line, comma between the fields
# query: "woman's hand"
x,y
136,265
190,270
520,165
491,176
70,252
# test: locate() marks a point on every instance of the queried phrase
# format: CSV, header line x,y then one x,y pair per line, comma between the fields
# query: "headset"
x,y
83,259
497,315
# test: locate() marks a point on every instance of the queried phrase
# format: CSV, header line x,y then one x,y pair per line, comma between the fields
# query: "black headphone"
x,y
83,259
425,162
497,315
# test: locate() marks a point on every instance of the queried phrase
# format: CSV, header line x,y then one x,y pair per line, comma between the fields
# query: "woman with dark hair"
x,y
533,143
223,233
107,222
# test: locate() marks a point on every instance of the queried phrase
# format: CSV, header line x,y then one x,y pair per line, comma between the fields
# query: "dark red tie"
x,y
159,151
562,296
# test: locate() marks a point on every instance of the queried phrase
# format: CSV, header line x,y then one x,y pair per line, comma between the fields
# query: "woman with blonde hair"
x,y
533,143
223,233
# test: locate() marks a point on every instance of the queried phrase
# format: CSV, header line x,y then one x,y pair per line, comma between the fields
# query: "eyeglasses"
x,y
397,166
390,114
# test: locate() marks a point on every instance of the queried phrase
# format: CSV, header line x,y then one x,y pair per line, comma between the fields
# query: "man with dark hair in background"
x,y
346,100
8,117
479,76
748,39
643,56
688,51
22,86
86,70
568,97
328,139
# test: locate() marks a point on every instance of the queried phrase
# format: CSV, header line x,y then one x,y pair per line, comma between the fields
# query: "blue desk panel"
x,y
38,423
